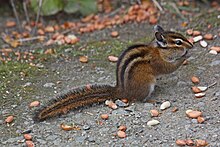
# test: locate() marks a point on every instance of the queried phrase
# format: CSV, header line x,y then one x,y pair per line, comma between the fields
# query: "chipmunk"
x,y
137,69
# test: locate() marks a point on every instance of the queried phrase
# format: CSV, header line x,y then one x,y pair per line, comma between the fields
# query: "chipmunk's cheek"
x,y
176,54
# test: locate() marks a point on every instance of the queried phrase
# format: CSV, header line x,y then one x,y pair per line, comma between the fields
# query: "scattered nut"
x,y
27,136
9,119
200,142
153,20
49,29
189,31
216,48
199,95
180,142
185,62
197,38
202,88
193,114
153,122
165,105
104,116
10,23
200,119
208,36
111,104
69,127
29,143
174,109
114,34
154,113
213,52
195,79
34,104
196,89
189,142
124,100
83,59
112,58
121,134
196,33
203,43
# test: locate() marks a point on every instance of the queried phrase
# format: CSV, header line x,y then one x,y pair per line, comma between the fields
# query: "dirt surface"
x,y
60,74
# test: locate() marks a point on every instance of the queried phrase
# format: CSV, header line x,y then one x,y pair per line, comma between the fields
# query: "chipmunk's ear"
x,y
158,28
160,39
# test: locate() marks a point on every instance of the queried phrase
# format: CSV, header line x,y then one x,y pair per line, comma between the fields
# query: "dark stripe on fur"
x,y
77,97
122,56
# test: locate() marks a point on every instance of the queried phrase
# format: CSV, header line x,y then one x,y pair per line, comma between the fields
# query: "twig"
x,y
214,83
16,14
158,5
114,12
177,10
30,39
38,15
25,11
139,2
73,28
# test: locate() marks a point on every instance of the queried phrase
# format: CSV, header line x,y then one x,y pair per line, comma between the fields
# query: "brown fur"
x,y
137,69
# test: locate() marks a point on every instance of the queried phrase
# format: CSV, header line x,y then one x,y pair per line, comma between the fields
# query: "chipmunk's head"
x,y
172,44
170,40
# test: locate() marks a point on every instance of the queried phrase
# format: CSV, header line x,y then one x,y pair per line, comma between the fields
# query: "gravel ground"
x,y
175,87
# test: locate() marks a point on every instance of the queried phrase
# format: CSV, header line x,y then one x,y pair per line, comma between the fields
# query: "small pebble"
x,y
49,85
130,108
86,127
121,103
194,121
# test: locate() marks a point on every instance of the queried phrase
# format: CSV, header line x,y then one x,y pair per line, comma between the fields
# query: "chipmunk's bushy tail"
x,y
75,98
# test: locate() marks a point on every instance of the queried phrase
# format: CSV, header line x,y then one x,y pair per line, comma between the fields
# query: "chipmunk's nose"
x,y
189,44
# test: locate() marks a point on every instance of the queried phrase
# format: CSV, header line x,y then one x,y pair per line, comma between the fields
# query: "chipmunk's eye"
x,y
178,42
